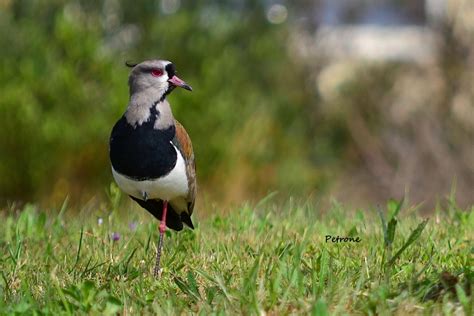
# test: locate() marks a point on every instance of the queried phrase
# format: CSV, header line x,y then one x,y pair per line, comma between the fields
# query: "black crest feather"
x,y
130,64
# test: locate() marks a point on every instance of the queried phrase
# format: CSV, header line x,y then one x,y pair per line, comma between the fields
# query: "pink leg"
x,y
160,242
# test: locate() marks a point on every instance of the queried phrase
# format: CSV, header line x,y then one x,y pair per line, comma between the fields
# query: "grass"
x,y
262,258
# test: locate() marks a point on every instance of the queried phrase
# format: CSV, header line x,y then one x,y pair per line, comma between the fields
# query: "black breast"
x,y
143,152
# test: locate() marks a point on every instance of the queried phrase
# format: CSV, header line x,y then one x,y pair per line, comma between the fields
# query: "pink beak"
x,y
179,83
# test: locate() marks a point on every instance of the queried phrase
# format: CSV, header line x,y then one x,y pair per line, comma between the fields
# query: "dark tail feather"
x,y
155,207
187,219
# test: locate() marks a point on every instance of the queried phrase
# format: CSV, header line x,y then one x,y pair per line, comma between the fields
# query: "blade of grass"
x,y
78,253
129,259
415,234
217,281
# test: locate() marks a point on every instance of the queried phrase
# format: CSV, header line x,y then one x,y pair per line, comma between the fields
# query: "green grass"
x,y
261,258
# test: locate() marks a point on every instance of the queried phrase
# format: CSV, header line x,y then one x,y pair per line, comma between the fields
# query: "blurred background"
x,y
359,100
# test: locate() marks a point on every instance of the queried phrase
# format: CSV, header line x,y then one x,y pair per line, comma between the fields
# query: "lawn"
x,y
264,258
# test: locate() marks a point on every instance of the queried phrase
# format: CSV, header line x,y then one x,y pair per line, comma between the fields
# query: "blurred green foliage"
x,y
262,116
64,86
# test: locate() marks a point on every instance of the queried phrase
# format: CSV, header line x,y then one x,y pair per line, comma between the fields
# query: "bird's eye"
x,y
157,72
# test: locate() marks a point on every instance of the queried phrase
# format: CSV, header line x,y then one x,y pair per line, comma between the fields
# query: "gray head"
x,y
154,77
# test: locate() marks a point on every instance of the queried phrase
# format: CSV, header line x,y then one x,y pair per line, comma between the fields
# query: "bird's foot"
x,y
157,272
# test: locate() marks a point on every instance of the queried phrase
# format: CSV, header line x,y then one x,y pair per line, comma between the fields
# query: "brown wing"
x,y
183,143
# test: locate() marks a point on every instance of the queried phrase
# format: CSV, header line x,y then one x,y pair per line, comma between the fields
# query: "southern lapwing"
x,y
151,153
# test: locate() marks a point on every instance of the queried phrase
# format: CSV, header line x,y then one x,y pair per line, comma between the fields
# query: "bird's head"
x,y
157,77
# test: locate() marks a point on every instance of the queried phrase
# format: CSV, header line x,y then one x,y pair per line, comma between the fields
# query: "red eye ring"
x,y
157,72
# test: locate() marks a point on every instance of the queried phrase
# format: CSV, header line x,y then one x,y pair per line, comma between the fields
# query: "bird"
x,y
151,153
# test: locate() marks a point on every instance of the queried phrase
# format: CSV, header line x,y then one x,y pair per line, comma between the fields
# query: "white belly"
x,y
171,186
